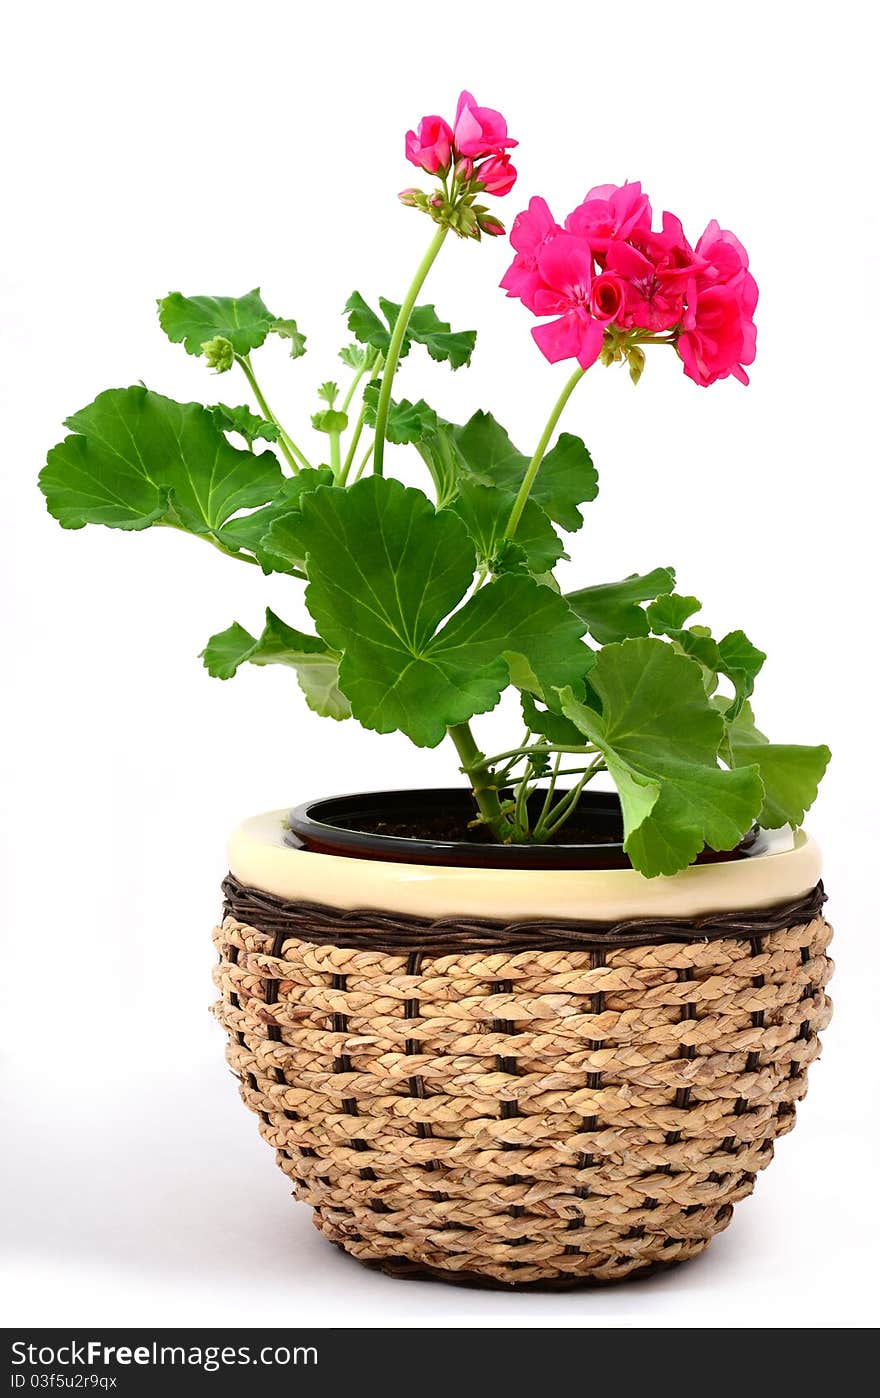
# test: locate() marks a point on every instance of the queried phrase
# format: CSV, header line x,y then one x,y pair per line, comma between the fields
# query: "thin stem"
x,y
372,366
568,803
363,466
521,806
349,456
354,383
334,455
538,747
482,780
529,478
551,787
221,548
394,348
294,456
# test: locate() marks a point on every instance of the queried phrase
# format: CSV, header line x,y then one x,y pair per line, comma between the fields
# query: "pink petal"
x,y
558,339
592,333
566,264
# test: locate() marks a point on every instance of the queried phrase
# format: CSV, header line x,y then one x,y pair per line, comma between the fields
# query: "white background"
x,y
213,147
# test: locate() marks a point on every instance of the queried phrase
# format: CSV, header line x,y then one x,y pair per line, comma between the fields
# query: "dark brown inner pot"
x,y
432,826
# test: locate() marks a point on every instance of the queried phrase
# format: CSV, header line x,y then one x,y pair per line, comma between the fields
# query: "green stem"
x,y
365,458
394,348
537,747
481,778
551,787
334,455
221,548
349,456
354,383
519,503
294,456
568,803
521,806
372,365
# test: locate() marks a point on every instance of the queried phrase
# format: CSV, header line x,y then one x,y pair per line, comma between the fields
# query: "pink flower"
x,y
430,146
655,267
565,270
497,175
610,211
479,130
724,256
531,229
719,335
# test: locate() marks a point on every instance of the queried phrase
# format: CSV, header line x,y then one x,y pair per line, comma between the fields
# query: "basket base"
x,y
404,1269
612,1270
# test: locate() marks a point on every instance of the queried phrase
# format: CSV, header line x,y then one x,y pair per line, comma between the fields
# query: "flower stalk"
x,y
397,337
528,479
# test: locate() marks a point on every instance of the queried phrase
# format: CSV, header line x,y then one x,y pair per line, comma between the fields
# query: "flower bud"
x,y
430,146
219,354
607,296
465,222
496,175
491,226
636,358
412,198
464,169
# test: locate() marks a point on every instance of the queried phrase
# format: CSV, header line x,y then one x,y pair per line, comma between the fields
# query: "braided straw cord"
x,y
529,1116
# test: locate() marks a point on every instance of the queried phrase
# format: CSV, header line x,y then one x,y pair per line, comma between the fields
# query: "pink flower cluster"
x,y
607,267
477,134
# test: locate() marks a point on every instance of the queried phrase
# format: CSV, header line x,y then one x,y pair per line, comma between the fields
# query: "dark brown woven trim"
x,y
401,935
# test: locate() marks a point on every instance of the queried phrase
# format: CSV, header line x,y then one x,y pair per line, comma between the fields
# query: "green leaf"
x,y
243,320
566,478
407,422
485,510
355,356
741,663
611,610
671,611
550,723
791,772
426,328
439,455
249,531
243,421
317,667
366,326
329,421
660,736
488,454
329,391
287,330
385,569
733,656
136,459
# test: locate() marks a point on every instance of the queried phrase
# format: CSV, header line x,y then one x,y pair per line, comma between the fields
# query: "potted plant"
x,y
519,1031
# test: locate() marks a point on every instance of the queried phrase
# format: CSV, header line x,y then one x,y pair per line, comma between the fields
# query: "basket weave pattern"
x,y
522,1116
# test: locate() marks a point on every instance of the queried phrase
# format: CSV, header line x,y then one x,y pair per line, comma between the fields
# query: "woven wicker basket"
x,y
521,1104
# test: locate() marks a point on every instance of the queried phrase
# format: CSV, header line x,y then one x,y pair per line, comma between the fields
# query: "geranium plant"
x,y
428,605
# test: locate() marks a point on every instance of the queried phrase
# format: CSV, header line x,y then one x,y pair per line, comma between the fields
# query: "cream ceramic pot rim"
x,y
789,867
